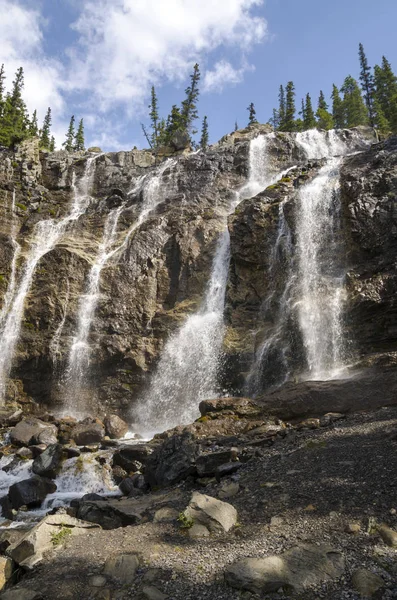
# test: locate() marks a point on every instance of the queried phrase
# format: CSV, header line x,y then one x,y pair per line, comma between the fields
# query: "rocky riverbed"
x,y
202,509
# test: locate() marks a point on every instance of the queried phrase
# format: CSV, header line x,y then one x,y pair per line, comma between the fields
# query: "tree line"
x,y
372,102
16,125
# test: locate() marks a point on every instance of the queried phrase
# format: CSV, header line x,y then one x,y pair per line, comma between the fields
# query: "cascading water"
x,y
79,357
321,144
46,235
189,363
320,281
17,251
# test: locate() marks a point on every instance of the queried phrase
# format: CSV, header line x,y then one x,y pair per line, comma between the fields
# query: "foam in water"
x,y
320,275
13,275
321,144
46,235
189,363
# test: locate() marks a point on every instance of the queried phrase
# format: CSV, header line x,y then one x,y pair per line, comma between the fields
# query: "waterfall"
x,y
80,352
45,236
320,277
54,346
17,250
321,144
189,363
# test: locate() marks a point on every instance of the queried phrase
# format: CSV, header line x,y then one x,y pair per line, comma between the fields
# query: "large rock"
x,y
172,461
21,593
122,567
367,584
110,514
128,457
6,569
48,462
207,464
214,514
241,407
298,568
115,427
29,432
30,492
364,391
51,531
88,432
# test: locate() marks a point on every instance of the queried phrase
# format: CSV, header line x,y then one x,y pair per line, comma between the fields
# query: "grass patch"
x,y
58,538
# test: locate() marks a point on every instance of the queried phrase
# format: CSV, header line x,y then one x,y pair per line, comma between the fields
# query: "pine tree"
x,y
289,121
236,126
204,134
154,117
2,89
309,121
338,112
33,127
189,105
175,122
324,117
14,120
275,119
79,139
380,122
354,108
252,114
367,83
281,107
386,92
302,111
322,104
52,144
68,144
45,131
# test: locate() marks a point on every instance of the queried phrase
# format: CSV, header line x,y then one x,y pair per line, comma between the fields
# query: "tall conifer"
x,y
354,108
252,114
289,121
45,131
338,113
68,144
386,92
154,117
33,126
281,107
189,106
79,138
309,121
204,134
2,89
367,83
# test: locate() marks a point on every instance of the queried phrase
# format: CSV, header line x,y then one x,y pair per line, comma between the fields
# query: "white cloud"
x,y
21,35
126,45
224,74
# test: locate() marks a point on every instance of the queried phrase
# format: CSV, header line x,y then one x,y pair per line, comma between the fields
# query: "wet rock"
x,y
88,432
51,531
388,535
298,568
6,508
6,569
118,474
30,430
173,461
122,567
207,464
367,583
217,516
72,451
30,492
24,453
131,458
37,449
115,427
47,463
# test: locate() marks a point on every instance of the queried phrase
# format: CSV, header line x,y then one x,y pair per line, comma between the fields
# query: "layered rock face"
x,y
152,231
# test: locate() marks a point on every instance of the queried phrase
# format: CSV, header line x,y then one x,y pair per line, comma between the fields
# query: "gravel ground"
x,y
316,481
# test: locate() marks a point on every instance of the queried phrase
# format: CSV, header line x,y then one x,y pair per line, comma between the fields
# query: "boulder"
x,y
367,584
50,532
131,458
214,514
173,461
227,469
30,492
242,407
88,432
109,514
166,514
24,453
198,531
207,464
152,593
47,463
6,569
302,566
388,535
122,567
115,427
31,431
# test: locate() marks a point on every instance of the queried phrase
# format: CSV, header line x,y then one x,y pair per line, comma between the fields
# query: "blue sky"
x,y
98,58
